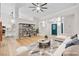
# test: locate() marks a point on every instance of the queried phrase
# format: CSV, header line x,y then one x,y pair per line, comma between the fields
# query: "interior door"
x,y
54,29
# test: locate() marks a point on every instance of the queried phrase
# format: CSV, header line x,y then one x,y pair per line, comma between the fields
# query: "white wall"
x,y
47,29
69,24
20,20
71,21
28,19
44,29
48,23
76,22
6,9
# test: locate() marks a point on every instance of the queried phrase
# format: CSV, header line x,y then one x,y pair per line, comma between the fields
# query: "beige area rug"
x,y
25,41
24,50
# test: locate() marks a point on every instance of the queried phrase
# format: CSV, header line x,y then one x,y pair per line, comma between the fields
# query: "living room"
x,y
27,24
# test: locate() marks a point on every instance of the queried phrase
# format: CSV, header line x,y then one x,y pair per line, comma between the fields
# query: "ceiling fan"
x,y
38,7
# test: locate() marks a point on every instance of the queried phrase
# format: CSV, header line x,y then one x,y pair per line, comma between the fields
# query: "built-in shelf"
x,y
27,30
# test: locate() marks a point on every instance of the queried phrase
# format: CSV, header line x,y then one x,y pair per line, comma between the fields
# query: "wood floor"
x,y
11,44
4,49
28,40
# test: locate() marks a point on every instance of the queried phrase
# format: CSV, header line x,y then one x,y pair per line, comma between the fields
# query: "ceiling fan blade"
x,y
44,7
34,4
37,11
32,7
41,10
43,4
37,3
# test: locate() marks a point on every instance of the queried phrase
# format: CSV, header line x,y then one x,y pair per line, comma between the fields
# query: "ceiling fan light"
x,y
38,8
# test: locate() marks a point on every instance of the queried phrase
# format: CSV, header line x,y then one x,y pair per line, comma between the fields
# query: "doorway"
x,y
54,29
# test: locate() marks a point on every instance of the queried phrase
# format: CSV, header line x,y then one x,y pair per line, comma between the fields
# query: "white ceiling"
x,y
52,8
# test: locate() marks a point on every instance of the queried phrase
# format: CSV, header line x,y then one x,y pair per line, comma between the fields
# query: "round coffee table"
x,y
72,51
44,44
